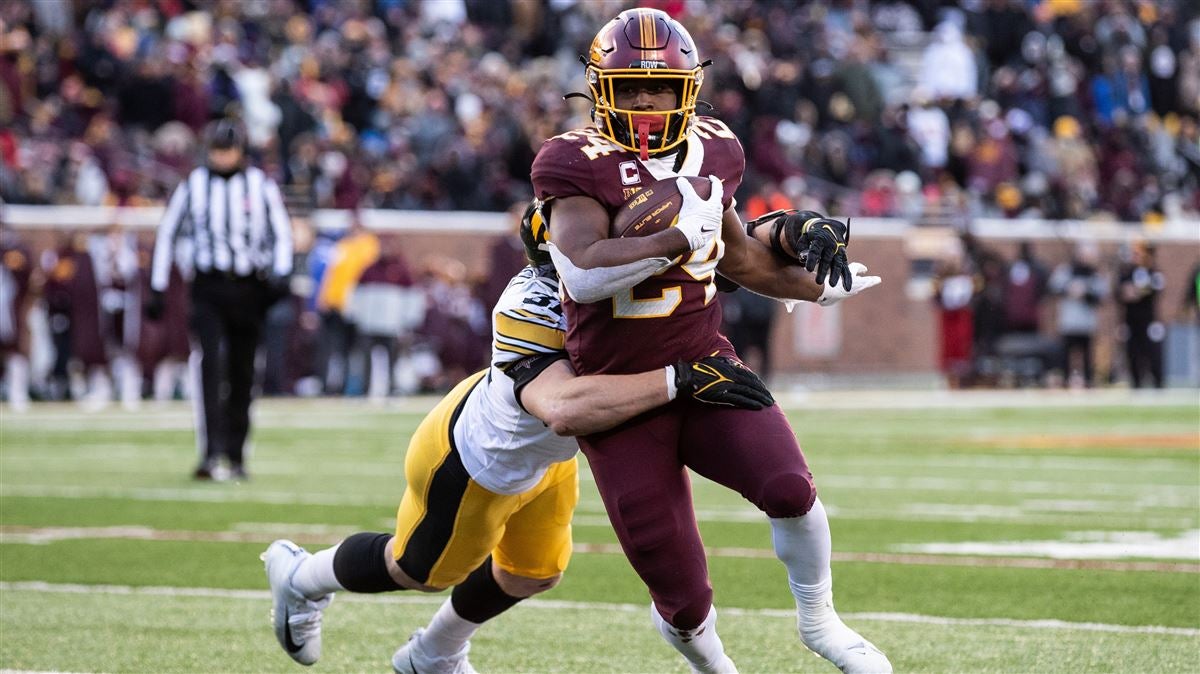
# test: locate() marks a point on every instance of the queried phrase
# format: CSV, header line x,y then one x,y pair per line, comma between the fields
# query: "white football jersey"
x,y
504,448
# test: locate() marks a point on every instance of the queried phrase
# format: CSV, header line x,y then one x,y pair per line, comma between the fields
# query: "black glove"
x,y
718,380
155,305
820,243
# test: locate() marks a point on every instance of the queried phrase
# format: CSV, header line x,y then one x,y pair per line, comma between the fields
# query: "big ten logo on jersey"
x,y
629,173
596,146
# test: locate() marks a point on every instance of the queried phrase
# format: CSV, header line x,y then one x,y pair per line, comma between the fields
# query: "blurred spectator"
x,y
455,323
58,269
748,320
506,257
1080,288
162,347
1024,289
353,254
930,130
1138,286
1190,307
385,309
16,271
953,289
948,67
989,323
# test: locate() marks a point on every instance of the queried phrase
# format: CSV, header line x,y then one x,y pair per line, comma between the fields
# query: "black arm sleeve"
x,y
527,369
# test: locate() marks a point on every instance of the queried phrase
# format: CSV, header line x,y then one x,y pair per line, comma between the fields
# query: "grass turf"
x,y
891,478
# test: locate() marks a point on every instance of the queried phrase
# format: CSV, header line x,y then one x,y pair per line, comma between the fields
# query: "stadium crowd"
x,y
929,110
922,109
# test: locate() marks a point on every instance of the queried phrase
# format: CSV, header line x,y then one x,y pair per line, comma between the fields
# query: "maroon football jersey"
x,y
673,315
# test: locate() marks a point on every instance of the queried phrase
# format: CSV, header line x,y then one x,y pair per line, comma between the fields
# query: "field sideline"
x,y
989,532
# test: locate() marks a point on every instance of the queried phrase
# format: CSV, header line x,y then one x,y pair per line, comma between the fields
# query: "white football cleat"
x,y
824,633
297,619
410,659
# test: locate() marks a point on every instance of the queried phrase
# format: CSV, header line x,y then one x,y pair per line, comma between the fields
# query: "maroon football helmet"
x,y
644,43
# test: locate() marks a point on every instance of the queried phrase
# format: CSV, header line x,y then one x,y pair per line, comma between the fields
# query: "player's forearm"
x,y
756,268
596,403
791,282
616,252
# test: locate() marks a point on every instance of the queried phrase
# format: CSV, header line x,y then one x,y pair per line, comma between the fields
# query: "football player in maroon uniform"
x,y
642,302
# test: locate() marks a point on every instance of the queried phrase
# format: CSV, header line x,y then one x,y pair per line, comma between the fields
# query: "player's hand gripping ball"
x,y
662,204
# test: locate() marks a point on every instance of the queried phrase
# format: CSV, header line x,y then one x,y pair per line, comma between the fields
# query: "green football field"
x,y
972,533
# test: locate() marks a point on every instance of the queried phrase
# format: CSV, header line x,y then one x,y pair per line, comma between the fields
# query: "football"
x,y
655,207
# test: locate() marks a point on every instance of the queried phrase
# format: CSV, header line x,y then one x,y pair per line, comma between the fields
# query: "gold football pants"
x,y
448,524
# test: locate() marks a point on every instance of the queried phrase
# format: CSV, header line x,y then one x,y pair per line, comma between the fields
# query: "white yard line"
x,y
329,535
31,671
914,512
430,600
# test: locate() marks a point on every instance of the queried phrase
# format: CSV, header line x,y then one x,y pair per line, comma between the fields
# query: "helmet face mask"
x,y
646,45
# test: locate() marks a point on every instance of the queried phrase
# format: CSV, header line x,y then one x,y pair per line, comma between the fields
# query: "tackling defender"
x,y
644,74
491,479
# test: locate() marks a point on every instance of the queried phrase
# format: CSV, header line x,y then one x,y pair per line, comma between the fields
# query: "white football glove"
x,y
834,294
700,219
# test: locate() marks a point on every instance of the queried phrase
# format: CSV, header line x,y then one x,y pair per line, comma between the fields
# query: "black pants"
x,y
1081,344
1145,357
227,319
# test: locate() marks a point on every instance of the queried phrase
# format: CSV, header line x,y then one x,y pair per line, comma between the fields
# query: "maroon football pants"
x,y
640,471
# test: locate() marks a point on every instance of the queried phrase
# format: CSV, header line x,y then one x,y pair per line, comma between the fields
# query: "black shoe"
x,y
203,472
238,474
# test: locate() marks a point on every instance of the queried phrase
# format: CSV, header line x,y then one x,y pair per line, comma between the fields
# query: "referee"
x,y
240,242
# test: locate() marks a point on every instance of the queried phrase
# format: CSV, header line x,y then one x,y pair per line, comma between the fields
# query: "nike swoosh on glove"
x,y
834,294
700,219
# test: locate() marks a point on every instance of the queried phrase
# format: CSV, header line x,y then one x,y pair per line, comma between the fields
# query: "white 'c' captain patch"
x,y
629,173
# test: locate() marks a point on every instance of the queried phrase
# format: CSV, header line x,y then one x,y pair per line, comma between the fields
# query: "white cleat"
x,y
297,619
410,659
824,633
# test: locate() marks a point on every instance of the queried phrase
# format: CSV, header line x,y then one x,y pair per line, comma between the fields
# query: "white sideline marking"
x,y
429,600
1079,545
328,535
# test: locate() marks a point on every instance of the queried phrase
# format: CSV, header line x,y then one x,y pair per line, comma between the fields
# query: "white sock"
x,y
804,546
700,646
314,578
447,632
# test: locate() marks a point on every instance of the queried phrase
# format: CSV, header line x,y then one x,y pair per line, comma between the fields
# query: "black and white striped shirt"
x,y
237,225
